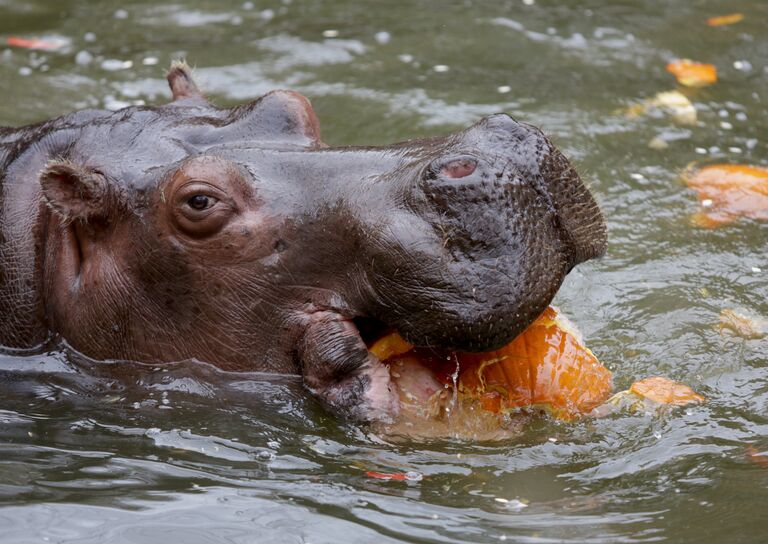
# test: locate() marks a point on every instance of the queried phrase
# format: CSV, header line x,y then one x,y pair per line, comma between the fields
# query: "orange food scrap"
x,y
722,20
32,43
693,74
756,457
742,324
665,391
729,191
389,346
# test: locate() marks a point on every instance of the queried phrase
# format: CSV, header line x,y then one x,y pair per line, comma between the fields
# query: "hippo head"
x,y
236,237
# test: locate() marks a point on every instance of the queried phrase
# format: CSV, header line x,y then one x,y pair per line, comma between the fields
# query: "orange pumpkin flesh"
x,y
722,20
693,74
729,191
665,391
545,367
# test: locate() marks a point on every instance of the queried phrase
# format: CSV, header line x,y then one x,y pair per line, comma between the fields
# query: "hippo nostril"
x,y
459,168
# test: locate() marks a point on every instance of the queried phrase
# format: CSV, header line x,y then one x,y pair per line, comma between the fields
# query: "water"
x,y
131,454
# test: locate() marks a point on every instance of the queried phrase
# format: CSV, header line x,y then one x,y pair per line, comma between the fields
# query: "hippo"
x,y
236,237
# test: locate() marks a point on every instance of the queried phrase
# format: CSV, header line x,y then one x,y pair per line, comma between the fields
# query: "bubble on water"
x,y
25,71
121,14
725,125
267,14
701,151
741,116
265,455
89,37
413,476
382,37
637,177
734,149
83,58
330,33
714,149
113,65
150,61
529,2
723,113
441,68
742,65
248,5
503,89
406,58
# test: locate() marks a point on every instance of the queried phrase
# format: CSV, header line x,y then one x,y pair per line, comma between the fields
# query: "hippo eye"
x,y
201,202
201,208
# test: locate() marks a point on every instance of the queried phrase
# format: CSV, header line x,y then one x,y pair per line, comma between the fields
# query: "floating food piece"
x,y
722,20
674,103
396,476
757,457
665,391
729,191
33,43
744,325
693,74
649,395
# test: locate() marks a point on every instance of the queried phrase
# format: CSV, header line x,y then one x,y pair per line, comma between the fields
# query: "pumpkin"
x,y
729,191
545,367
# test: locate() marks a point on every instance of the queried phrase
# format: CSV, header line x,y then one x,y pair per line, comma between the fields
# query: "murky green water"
x,y
184,454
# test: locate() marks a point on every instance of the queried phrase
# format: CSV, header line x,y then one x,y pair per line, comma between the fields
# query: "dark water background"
x,y
185,454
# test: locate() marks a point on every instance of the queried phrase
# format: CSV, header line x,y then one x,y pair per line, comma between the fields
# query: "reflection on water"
x,y
92,453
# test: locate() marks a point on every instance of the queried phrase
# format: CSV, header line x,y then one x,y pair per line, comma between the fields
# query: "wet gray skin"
x,y
185,231
125,453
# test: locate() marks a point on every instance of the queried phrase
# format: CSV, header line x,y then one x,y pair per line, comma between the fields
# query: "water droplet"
x,y
83,58
382,37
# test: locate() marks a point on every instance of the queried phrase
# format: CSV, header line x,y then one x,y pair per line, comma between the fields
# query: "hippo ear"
x,y
181,82
280,114
74,192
